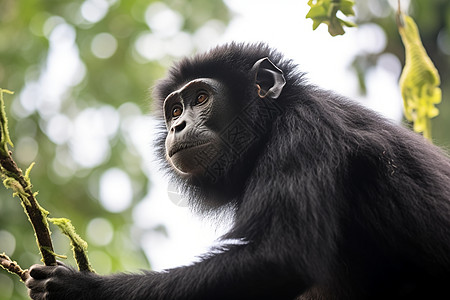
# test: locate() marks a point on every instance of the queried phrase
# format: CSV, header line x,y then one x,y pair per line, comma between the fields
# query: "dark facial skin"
x,y
194,125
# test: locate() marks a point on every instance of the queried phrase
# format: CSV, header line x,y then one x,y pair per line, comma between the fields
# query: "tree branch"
x,y
12,267
21,185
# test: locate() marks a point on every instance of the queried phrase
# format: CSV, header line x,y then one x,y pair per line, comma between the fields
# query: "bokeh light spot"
x,y
115,190
26,150
8,242
59,129
371,38
162,20
443,41
104,45
94,10
93,128
150,47
100,231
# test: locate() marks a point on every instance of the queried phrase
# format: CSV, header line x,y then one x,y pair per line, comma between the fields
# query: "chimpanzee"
x,y
329,200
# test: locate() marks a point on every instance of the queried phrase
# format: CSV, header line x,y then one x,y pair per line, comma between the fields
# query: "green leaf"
x,y
419,81
316,12
346,7
324,11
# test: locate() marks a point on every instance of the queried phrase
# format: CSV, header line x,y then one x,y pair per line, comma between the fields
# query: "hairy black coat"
x,y
330,200
329,194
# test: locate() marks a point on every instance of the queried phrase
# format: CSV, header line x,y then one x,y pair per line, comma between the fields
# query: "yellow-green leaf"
x,y
419,82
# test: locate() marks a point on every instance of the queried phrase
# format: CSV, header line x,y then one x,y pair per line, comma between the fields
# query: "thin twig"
x,y
11,266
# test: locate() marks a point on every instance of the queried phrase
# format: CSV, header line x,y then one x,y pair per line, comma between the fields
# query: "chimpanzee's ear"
x,y
269,79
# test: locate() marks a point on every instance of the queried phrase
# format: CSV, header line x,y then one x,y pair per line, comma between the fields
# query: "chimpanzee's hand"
x,y
61,283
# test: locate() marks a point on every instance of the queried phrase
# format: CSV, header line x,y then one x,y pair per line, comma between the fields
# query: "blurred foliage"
x,y
112,52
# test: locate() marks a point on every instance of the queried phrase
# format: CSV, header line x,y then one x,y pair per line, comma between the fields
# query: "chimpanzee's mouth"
x,y
182,146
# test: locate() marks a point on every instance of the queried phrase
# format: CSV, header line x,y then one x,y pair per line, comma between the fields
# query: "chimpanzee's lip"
x,y
185,145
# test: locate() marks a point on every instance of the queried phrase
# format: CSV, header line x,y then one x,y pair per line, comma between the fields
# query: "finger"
x,y
40,271
35,295
34,286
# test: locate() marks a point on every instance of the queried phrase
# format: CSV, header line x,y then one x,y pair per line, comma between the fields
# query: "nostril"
x,y
179,127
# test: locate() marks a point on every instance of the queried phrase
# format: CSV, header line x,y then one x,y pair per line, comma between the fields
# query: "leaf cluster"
x,y
325,11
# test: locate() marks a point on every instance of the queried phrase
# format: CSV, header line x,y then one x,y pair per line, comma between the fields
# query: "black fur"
x,y
330,200
338,194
